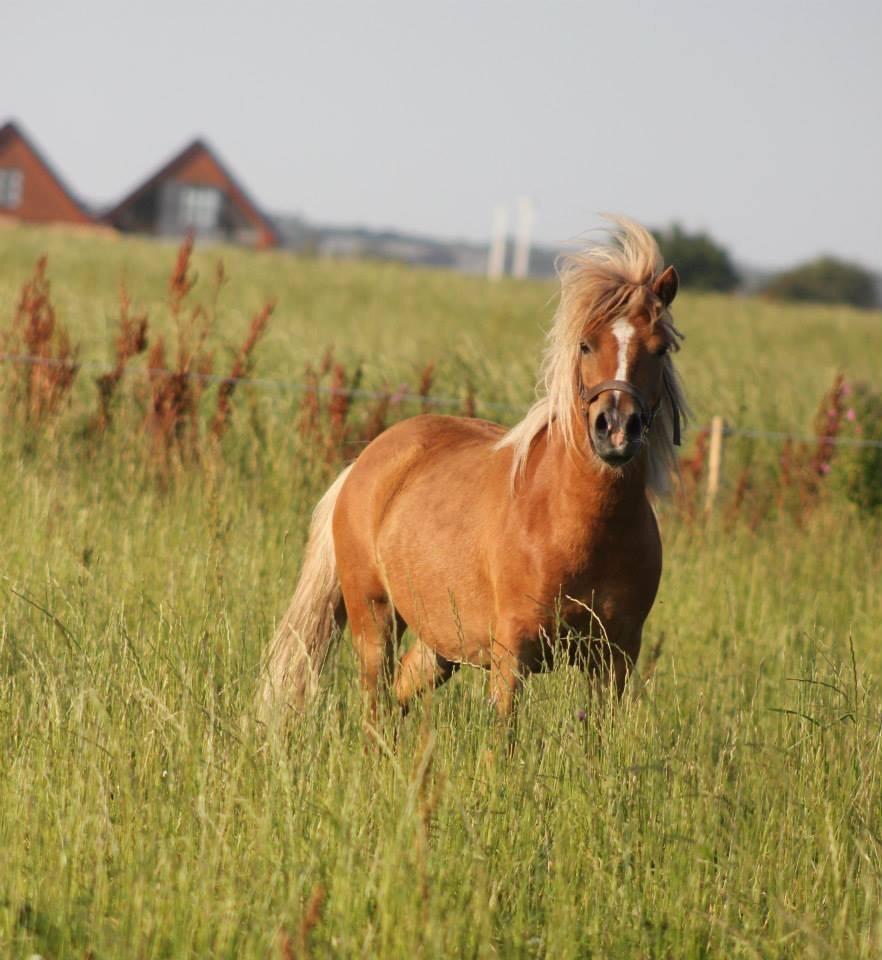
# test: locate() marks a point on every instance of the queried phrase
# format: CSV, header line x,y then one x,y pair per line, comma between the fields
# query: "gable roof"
x,y
12,132
200,149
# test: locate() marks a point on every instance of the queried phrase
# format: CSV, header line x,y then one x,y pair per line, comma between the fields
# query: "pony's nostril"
x,y
601,425
634,427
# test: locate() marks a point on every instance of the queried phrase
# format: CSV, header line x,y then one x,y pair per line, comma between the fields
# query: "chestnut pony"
x,y
491,545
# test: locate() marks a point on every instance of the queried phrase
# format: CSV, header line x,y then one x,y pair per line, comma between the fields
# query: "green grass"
x,y
734,811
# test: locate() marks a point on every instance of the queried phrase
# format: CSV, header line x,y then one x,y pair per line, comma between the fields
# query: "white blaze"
x,y
623,330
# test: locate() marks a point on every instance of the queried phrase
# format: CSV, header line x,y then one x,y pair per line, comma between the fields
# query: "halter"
x,y
647,415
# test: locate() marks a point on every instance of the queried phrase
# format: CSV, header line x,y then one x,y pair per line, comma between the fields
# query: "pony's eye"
x,y
584,348
663,349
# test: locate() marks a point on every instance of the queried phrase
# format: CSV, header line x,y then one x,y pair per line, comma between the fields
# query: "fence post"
x,y
521,260
496,252
714,463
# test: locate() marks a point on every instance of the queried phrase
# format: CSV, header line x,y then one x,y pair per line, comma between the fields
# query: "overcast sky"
x,y
759,121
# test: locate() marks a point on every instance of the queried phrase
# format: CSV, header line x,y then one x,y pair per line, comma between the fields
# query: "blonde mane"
x,y
596,285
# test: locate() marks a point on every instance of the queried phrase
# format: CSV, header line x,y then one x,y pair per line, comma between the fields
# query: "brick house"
x,y
30,189
194,192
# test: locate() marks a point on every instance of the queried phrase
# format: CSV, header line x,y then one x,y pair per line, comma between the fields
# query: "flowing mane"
x,y
597,285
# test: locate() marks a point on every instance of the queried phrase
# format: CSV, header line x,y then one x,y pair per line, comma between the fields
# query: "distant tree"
x,y
825,280
700,261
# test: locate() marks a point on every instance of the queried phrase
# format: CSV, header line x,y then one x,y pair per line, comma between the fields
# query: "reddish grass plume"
x,y
40,380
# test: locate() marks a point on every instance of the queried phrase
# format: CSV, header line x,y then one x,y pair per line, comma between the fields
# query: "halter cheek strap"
x,y
648,415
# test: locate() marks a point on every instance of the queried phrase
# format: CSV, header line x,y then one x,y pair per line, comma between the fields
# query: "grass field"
x,y
733,811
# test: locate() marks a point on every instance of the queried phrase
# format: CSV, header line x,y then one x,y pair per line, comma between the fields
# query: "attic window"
x,y
200,208
11,188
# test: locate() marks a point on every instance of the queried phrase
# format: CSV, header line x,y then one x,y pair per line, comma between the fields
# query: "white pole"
x,y
496,254
521,264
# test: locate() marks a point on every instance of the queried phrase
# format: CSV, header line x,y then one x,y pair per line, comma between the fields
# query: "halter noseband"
x,y
648,415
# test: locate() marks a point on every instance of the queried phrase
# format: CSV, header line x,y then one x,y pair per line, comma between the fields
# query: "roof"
x,y
168,169
13,130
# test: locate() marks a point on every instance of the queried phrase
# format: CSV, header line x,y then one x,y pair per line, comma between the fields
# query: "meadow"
x,y
734,809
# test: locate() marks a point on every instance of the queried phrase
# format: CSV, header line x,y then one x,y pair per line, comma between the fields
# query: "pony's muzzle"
x,y
616,434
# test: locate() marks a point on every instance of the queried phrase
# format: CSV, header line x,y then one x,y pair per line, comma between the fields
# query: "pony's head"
x,y
622,369
608,374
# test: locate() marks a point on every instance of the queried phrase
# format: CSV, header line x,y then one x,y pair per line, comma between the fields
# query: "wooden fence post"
x,y
714,463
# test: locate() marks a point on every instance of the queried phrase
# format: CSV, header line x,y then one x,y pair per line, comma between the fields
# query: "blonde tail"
x,y
298,651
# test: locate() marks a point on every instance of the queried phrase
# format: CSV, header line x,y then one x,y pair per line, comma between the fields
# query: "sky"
x,y
760,122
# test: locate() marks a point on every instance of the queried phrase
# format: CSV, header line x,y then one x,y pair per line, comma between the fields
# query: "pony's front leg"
x,y
508,656
505,685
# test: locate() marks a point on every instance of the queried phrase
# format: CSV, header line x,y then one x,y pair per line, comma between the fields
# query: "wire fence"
x,y
782,436
394,396
293,386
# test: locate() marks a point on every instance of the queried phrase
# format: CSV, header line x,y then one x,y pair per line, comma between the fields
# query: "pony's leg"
x,y
506,681
506,674
421,669
372,623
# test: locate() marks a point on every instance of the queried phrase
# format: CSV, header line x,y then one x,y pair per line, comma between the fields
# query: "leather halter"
x,y
647,415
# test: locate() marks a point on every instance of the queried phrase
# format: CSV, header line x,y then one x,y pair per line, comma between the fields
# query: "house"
x,y
194,192
31,190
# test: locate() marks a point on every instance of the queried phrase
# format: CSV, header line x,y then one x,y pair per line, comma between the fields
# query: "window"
x,y
199,208
11,188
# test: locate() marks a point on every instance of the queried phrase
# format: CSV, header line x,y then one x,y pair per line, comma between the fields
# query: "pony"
x,y
493,545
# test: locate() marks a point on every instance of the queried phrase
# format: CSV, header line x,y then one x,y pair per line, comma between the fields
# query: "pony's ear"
x,y
666,285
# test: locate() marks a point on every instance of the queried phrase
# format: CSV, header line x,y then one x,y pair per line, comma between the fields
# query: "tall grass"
x,y
734,810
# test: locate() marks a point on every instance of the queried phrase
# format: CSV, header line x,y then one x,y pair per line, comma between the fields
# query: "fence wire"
x,y
394,396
